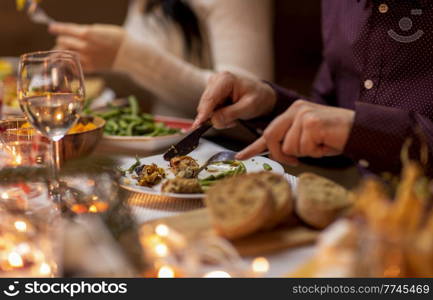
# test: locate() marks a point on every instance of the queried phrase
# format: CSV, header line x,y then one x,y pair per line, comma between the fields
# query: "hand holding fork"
x,y
37,13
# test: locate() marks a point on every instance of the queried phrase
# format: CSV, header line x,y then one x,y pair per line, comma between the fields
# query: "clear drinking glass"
x,y
51,94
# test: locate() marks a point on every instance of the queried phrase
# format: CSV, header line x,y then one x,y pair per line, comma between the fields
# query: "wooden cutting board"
x,y
197,223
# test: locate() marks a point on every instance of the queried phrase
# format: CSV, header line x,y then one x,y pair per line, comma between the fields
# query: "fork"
x,y
223,156
37,14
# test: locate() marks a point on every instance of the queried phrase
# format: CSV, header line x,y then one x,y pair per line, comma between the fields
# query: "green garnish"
x,y
267,167
135,165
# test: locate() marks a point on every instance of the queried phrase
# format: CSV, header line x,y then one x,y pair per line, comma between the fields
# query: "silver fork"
x,y
223,156
37,14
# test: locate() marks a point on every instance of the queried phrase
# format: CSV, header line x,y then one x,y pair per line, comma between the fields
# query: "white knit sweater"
x,y
237,38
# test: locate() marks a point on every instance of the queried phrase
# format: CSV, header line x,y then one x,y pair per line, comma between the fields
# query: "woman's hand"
x,y
97,44
305,129
250,99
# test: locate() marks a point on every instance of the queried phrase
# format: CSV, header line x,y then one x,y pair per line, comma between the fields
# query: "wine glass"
x,y
51,95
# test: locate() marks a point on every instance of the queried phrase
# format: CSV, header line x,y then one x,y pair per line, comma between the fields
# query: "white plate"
x,y
252,165
144,144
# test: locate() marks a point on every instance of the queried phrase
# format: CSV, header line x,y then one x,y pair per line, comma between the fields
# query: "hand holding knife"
x,y
192,140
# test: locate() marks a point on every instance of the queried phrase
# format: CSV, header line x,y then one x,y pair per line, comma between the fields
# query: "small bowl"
x,y
72,146
81,144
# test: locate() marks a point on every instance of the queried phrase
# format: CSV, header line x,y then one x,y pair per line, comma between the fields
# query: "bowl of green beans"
x,y
127,129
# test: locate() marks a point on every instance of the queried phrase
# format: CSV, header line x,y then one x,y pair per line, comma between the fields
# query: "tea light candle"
x,y
166,272
21,254
260,265
217,274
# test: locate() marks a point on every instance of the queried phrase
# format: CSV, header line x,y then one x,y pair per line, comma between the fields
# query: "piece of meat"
x,y
184,167
182,186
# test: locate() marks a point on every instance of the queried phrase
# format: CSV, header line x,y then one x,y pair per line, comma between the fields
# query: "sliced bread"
x,y
239,206
281,195
320,201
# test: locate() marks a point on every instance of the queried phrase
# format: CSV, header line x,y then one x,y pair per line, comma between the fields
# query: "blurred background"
x,y
297,52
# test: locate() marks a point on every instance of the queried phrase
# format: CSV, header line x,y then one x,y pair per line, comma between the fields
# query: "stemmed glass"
x,y
51,94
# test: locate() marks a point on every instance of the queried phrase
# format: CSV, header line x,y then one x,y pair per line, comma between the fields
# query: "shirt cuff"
x,y
285,98
377,136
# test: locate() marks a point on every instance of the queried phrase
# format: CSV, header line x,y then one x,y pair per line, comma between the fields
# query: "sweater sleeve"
x,y
379,133
240,33
240,40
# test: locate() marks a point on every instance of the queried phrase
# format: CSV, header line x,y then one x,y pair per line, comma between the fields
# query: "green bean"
x,y
131,118
109,114
123,124
135,165
112,124
131,127
133,104
147,117
156,132
241,169
206,183
144,128
126,110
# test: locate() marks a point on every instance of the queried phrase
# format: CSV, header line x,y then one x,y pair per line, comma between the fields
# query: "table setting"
x,y
68,175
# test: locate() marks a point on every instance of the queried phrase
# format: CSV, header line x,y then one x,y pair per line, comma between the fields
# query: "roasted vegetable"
x,y
150,175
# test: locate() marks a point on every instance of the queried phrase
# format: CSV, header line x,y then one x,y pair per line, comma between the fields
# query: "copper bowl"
x,y
81,144
73,145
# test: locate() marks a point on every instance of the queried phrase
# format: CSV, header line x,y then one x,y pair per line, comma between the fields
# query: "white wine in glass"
x,y
51,94
53,114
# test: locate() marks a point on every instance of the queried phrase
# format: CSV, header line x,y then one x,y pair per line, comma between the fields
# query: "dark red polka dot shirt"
x,y
377,60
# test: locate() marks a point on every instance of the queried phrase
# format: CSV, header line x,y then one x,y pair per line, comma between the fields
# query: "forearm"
x,y
171,79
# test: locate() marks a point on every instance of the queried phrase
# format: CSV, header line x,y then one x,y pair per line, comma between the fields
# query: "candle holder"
x,y
21,145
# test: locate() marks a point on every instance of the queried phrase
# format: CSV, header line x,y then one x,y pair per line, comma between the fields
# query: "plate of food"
x,y
127,129
183,177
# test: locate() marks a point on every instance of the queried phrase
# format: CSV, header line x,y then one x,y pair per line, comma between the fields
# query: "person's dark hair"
x,y
180,12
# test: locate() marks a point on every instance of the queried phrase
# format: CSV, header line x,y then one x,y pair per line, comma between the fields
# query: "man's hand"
x,y
305,129
250,99
97,44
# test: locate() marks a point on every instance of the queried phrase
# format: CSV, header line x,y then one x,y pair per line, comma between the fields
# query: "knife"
x,y
188,143
192,140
